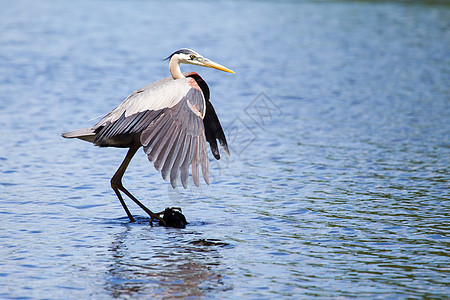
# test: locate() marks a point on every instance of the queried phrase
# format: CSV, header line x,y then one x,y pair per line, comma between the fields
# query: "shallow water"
x,y
337,118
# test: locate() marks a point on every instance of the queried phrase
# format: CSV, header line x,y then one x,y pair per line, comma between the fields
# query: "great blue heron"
x,y
171,119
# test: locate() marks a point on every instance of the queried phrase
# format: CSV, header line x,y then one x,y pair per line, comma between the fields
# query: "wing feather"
x,y
175,169
115,126
150,117
131,123
168,145
204,159
195,163
154,131
173,153
214,131
155,146
184,169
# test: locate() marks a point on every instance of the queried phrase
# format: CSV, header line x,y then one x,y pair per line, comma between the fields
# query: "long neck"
x,y
174,67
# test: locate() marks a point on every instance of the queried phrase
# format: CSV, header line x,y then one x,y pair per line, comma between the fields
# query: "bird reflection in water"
x,y
177,268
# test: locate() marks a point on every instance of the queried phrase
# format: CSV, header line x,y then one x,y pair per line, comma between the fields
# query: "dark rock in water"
x,y
209,242
174,218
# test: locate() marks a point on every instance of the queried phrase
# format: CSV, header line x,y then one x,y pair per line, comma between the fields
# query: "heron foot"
x,y
157,216
171,217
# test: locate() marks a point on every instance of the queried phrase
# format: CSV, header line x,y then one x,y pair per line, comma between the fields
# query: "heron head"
x,y
188,56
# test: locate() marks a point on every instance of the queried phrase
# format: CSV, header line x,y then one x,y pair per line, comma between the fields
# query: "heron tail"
x,y
86,134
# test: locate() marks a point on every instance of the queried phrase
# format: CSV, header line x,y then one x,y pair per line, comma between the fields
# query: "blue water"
x,y
338,123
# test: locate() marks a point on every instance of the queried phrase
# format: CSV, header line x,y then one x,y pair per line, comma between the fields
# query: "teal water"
x,y
337,119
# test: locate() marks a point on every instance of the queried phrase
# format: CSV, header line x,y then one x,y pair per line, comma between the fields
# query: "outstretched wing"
x,y
177,140
168,116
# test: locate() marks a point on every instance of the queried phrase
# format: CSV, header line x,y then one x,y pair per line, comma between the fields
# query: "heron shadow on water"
x,y
172,119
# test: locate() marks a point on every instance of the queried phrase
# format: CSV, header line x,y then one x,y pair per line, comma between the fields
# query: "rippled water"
x,y
337,117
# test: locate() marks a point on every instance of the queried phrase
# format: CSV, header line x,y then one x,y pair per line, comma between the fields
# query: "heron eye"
x,y
192,56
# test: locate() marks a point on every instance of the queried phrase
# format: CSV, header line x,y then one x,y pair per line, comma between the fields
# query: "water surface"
x,y
337,118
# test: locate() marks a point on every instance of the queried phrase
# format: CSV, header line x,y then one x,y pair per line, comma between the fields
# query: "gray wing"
x,y
168,116
176,140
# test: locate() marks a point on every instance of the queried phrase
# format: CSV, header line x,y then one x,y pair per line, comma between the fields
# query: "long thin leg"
x,y
117,186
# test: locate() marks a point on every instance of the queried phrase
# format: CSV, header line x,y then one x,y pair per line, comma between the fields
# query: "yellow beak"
x,y
211,64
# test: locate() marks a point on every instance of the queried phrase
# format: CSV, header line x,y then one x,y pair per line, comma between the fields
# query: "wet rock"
x,y
209,242
174,218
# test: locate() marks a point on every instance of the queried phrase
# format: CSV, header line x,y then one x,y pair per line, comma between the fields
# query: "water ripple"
x,y
337,186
